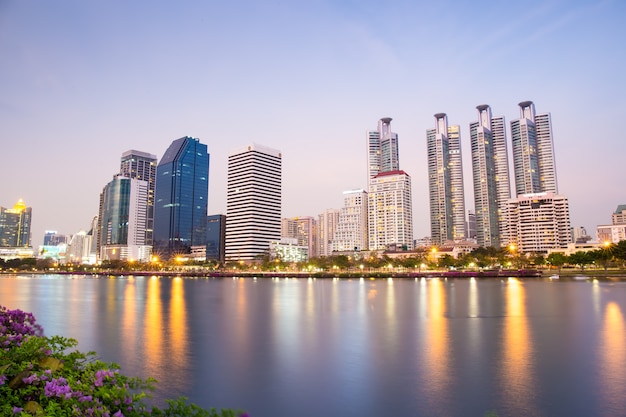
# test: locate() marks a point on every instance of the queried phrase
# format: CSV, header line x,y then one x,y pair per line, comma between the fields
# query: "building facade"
x,y
490,169
124,218
182,191
351,231
304,230
15,226
253,202
619,215
216,237
390,218
445,182
533,152
382,149
326,227
539,222
142,166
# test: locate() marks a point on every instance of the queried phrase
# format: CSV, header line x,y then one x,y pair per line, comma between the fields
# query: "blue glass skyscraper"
x,y
182,191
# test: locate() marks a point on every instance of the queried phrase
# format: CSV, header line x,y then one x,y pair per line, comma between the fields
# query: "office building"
x,y
123,221
533,152
390,218
445,182
351,231
611,233
253,202
490,169
182,191
326,227
142,166
216,237
382,149
15,226
539,222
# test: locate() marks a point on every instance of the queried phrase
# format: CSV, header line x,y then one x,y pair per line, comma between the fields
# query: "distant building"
x,y
123,220
351,231
471,224
79,249
445,181
490,168
216,237
538,222
253,202
53,238
182,190
15,226
304,230
619,215
326,227
389,208
580,235
142,166
612,233
288,250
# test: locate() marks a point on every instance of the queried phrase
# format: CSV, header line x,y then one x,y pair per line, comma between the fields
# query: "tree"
x,y
581,259
557,259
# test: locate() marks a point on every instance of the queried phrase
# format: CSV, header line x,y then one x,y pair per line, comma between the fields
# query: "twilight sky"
x,y
81,82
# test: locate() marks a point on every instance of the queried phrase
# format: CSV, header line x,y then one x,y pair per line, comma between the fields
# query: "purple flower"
x,y
30,379
2,379
17,410
118,413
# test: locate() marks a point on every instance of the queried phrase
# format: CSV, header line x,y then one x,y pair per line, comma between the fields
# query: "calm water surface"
x,y
303,347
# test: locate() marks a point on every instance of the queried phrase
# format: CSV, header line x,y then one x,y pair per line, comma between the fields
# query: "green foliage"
x,y
46,376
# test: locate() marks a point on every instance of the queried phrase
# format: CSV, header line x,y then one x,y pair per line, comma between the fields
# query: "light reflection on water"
x,y
311,347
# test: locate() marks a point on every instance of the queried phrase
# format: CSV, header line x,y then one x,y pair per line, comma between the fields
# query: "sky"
x,y
81,82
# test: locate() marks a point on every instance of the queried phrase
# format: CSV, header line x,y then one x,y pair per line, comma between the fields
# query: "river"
x,y
351,347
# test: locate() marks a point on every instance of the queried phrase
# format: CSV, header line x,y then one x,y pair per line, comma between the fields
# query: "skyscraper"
x,y
123,220
253,201
445,182
490,170
382,149
15,226
142,166
351,231
390,218
182,189
304,230
533,152
389,192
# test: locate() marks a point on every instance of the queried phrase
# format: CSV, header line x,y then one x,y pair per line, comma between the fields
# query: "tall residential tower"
x,y
445,182
490,168
533,152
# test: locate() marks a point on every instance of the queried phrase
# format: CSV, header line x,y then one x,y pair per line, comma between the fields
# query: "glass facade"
x,y
215,233
182,189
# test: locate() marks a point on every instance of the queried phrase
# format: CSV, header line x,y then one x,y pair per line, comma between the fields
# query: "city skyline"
x,y
87,82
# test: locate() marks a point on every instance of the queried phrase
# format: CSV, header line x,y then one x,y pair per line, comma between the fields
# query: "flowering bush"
x,y
43,376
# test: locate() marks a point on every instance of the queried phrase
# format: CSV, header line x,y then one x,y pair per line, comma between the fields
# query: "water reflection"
x,y
437,359
517,351
613,358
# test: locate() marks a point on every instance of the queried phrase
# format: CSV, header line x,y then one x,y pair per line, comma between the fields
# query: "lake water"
x,y
384,347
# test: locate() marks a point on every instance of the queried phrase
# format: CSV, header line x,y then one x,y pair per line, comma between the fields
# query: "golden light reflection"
x,y
517,368
614,358
129,319
437,345
178,322
153,332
